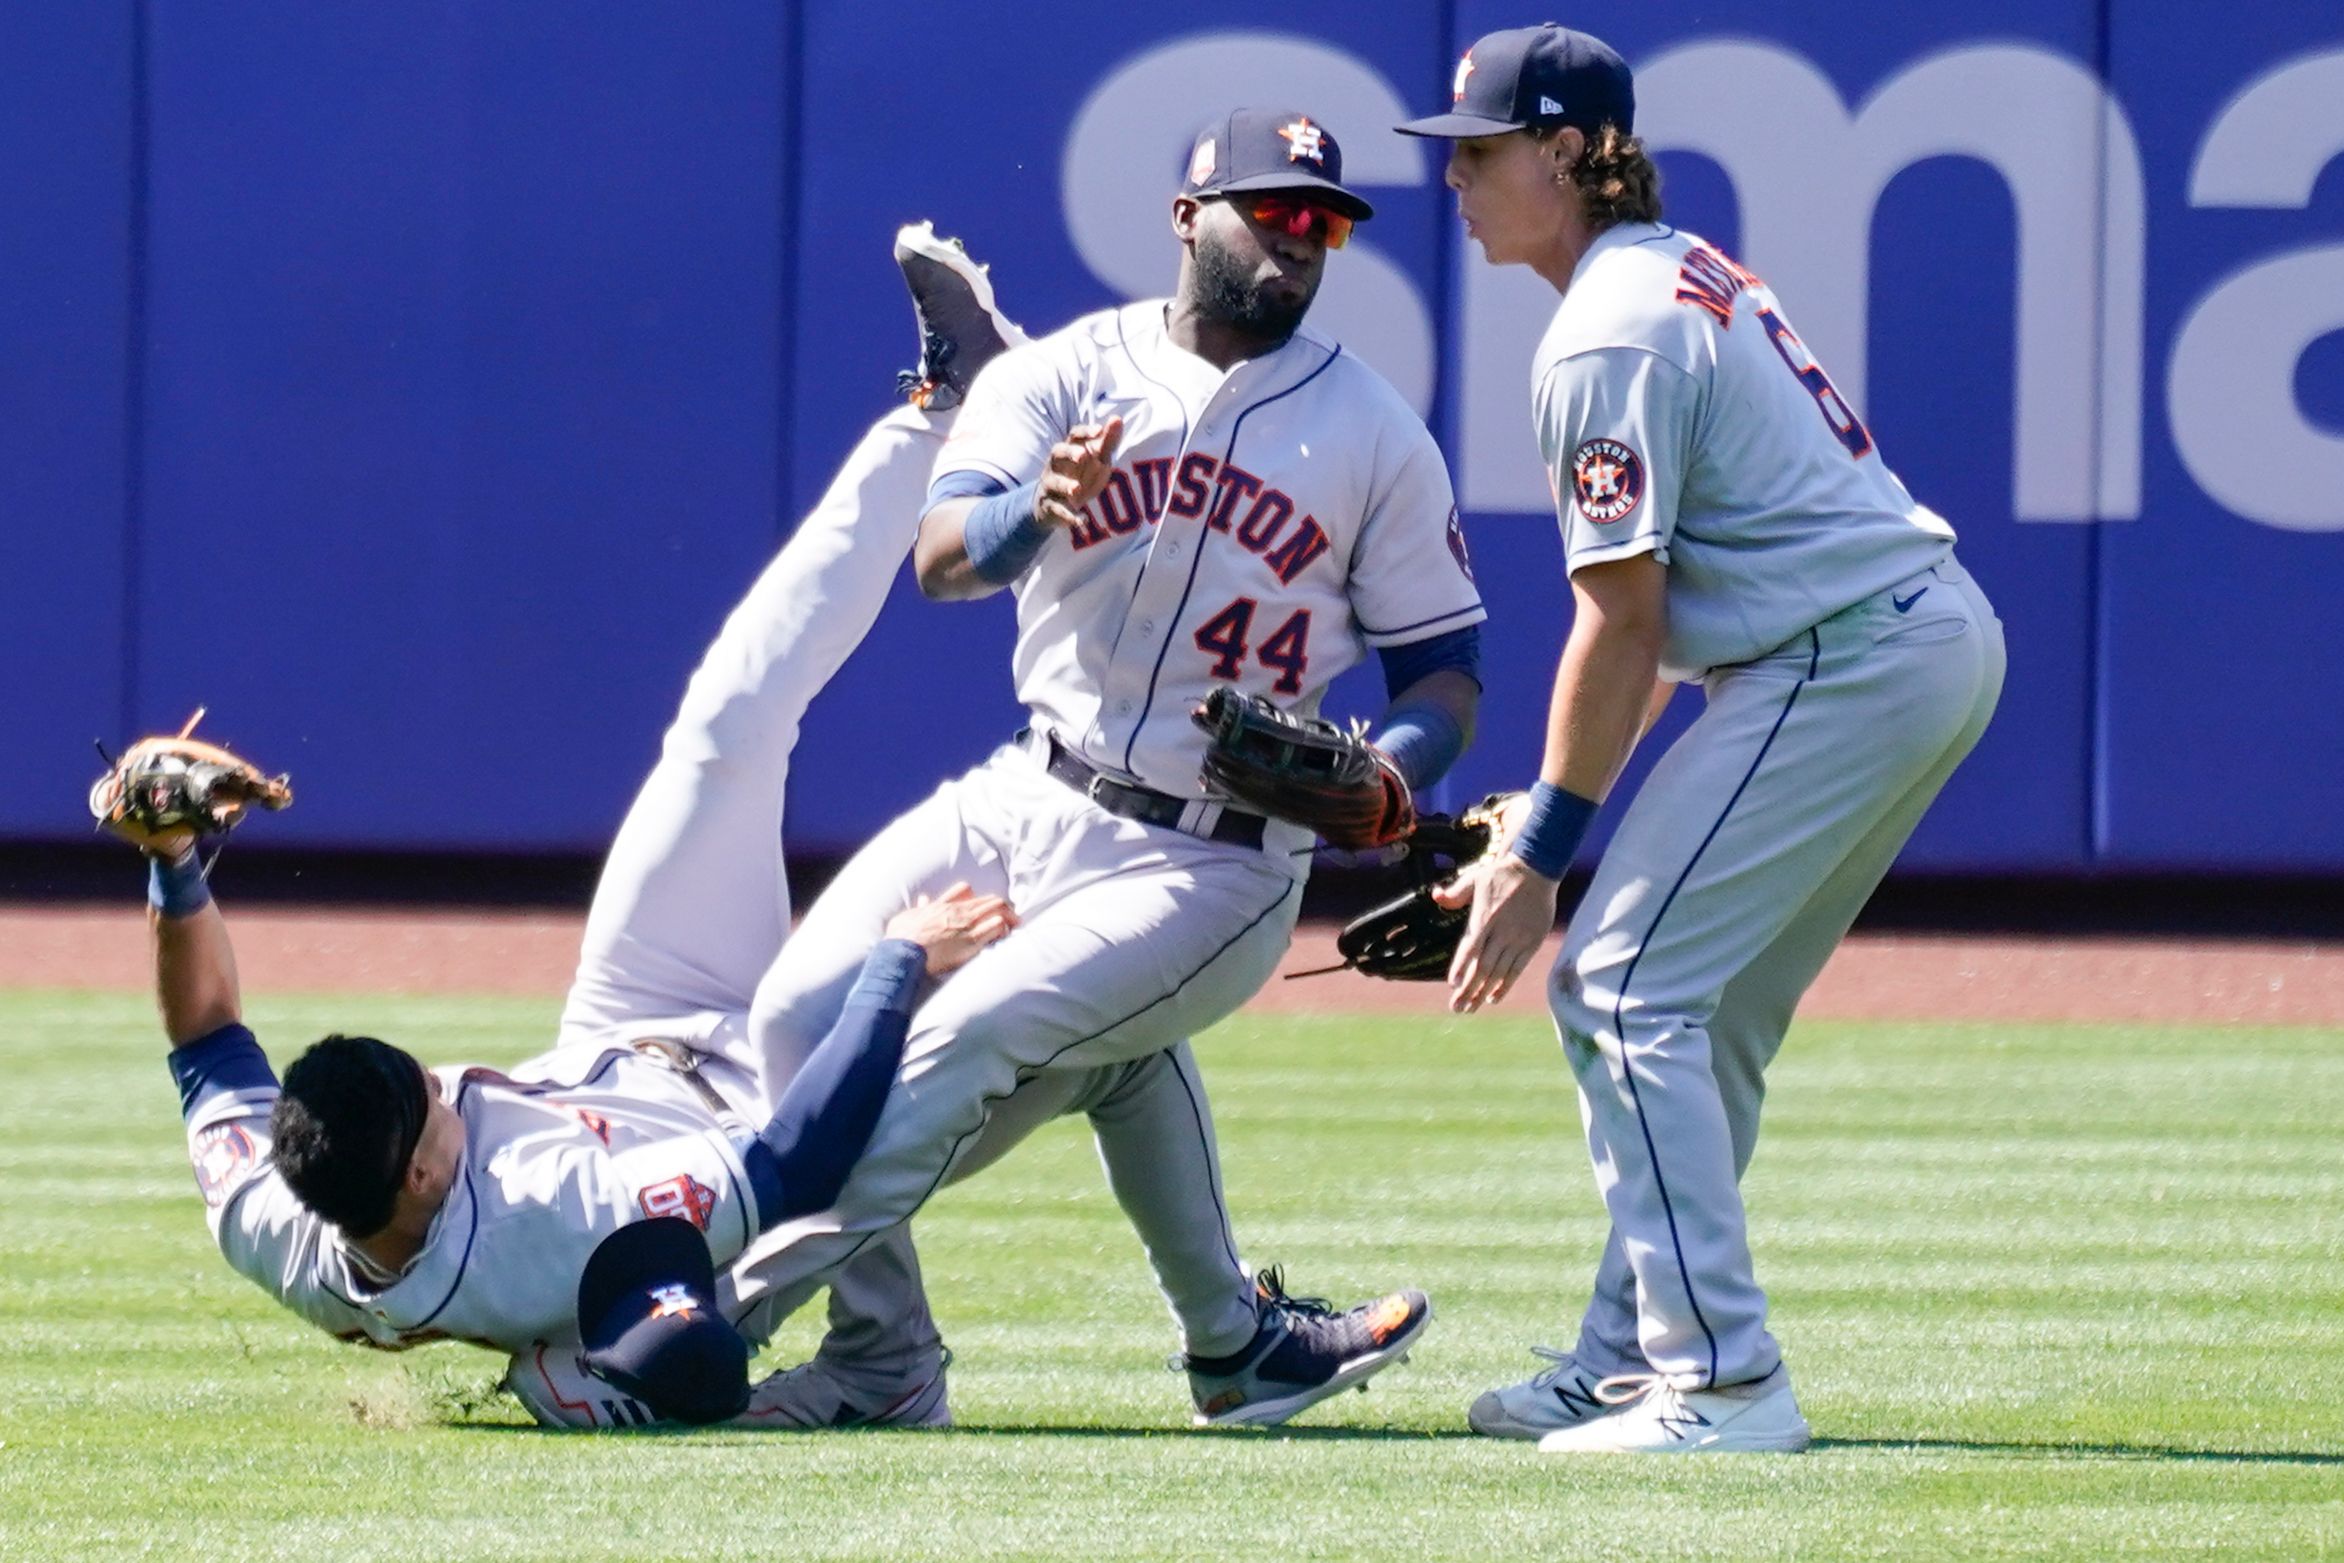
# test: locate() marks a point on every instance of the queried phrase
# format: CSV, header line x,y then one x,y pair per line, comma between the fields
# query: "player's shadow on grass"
x,y
996,1430
2059,1451
1971,1446
1253,1434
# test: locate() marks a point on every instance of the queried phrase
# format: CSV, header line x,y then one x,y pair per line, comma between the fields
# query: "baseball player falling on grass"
x,y
1184,495
393,1204
1727,520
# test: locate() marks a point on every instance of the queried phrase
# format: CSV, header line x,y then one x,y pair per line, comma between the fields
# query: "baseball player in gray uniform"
x,y
394,1204
1727,520
1183,494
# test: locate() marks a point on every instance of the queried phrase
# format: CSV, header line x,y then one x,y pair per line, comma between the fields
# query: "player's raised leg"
x,y
693,903
883,1363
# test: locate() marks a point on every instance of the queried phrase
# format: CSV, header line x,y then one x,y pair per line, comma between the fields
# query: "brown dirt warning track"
x,y
1873,977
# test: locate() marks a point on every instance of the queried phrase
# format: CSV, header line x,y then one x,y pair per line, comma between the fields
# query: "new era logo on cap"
x,y
1548,105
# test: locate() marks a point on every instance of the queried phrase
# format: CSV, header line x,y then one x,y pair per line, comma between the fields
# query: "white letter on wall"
x,y
2230,389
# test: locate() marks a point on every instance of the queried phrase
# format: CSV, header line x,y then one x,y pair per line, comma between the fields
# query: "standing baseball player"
x,y
1184,495
1727,520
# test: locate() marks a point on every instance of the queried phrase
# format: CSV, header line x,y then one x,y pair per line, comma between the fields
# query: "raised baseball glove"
x,y
1303,770
1413,938
180,787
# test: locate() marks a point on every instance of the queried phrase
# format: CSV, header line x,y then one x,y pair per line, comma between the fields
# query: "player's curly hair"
x,y
1617,180
344,1128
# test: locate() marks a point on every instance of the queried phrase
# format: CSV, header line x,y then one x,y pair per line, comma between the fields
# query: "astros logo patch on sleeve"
x,y
1457,544
1607,479
223,1153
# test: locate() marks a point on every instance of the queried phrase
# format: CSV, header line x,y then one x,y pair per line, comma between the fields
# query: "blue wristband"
x,y
1551,835
176,888
1422,741
1001,535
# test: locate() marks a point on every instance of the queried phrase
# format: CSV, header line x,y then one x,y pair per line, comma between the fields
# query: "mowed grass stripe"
x,y
2048,1291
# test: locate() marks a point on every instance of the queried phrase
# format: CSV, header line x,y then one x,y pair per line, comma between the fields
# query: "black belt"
x,y
1145,804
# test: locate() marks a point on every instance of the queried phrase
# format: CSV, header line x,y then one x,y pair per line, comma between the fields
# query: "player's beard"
x,y
1226,290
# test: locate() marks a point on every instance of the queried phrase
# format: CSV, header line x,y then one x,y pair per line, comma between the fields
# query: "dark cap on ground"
x,y
647,1314
1534,78
1270,149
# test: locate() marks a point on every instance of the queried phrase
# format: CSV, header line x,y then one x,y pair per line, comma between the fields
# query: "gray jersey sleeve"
x,y
1616,429
227,1091
1410,575
1017,408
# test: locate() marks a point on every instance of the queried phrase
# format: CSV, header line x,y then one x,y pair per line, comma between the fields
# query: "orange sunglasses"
x,y
1297,214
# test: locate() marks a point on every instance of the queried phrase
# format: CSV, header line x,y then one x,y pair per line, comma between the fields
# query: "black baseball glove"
x,y
1413,938
1303,770
166,791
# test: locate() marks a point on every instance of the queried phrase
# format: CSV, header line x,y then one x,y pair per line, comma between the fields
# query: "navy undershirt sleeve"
x,y
228,1059
800,1160
1404,665
962,485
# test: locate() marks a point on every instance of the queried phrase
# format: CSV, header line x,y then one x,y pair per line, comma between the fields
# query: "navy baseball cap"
x,y
1534,78
647,1314
1270,149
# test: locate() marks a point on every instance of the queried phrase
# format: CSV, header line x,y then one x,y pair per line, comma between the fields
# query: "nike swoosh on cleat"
x,y
1904,604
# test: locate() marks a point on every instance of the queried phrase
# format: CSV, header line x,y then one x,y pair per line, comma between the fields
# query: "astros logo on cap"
x,y
1457,86
1304,139
1607,479
673,1301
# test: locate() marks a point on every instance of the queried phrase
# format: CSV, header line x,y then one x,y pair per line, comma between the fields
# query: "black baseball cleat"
x,y
1302,1352
961,328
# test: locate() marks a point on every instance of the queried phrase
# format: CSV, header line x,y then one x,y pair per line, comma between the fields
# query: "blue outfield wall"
x,y
422,378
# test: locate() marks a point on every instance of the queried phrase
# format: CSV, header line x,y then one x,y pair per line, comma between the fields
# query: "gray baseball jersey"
x,y
1679,414
556,1157
1264,526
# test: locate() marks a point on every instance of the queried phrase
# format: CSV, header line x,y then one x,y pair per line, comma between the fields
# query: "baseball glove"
x,y
1413,938
180,788
1302,770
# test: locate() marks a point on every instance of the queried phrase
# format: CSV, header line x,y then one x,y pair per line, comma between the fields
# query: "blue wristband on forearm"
x,y
1001,535
1551,835
176,888
1422,741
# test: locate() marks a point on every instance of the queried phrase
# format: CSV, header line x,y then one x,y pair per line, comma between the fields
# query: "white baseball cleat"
x,y
1656,1417
817,1394
1562,1396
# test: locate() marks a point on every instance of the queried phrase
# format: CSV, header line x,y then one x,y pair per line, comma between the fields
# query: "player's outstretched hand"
x,y
952,927
1513,910
1076,472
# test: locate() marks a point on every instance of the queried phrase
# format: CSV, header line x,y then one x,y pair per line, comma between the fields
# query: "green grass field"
x,y
2051,1292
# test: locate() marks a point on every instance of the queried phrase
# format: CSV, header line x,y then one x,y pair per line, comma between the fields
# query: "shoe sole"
x,y
1727,1441
920,239
1779,1444
1270,1413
